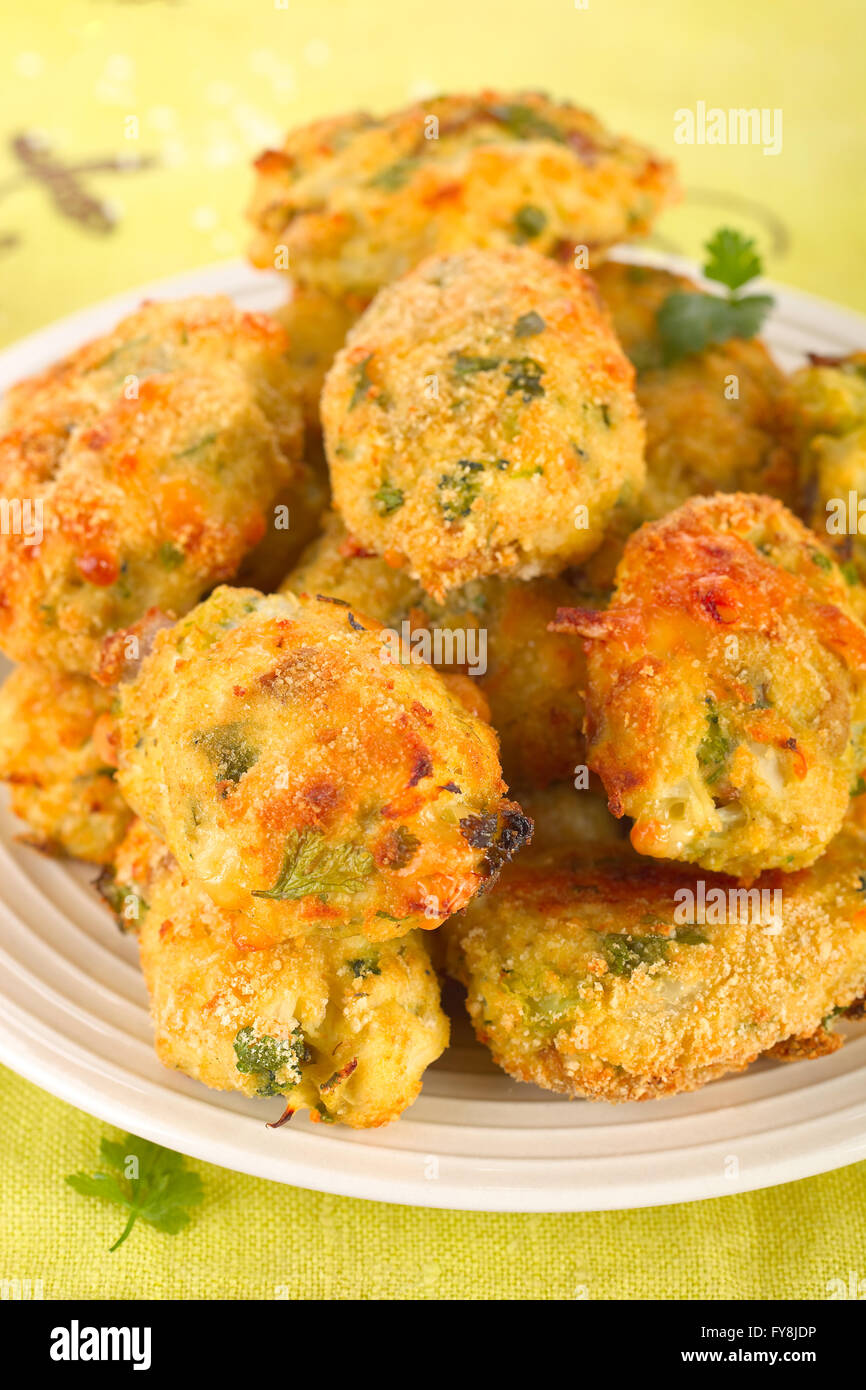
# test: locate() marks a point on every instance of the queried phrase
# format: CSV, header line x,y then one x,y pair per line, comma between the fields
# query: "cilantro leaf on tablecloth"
x,y
144,1179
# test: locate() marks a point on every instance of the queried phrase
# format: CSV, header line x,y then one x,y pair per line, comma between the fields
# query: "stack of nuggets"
x,y
286,798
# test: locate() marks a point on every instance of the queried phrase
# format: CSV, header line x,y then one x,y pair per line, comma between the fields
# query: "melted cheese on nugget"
x,y
56,764
155,454
725,694
306,775
593,973
335,1025
481,420
351,202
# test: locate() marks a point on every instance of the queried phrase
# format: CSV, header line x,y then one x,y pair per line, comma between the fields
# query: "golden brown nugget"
x,y
481,420
725,693
339,566
156,453
352,202
303,777
585,976
333,1024
50,754
828,401
317,325
494,628
716,420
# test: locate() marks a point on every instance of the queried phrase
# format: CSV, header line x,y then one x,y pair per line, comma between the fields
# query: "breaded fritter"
x,y
339,566
157,451
583,977
828,400
304,777
51,755
532,679
316,324
725,693
716,420
352,202
481,420
333,1024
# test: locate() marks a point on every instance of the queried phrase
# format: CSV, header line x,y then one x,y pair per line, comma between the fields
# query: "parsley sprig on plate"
x,y
146,1180
688,321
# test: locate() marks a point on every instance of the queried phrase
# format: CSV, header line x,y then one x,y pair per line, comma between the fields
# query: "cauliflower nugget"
x,y
316,324
337,565
716,420
154,454
494,629
725,693
596,974
52,756
335,1025
828,400
481,420
351,203
307,778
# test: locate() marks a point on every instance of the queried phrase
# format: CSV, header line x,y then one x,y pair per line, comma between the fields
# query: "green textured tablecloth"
x,y
209,83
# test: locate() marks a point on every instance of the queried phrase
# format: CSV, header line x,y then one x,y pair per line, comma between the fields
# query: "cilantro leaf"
x,y
689,321
749,312
465,364
731,259
145,1180
310,865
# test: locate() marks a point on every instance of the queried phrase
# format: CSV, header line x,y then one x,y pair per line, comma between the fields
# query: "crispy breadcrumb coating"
x,y
481,420
352,202
333,1024
156,453
725,695
306,777
61,782
583,977
532,679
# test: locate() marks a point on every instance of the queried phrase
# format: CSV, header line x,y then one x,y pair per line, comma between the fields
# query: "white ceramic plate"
x,y
73,1010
